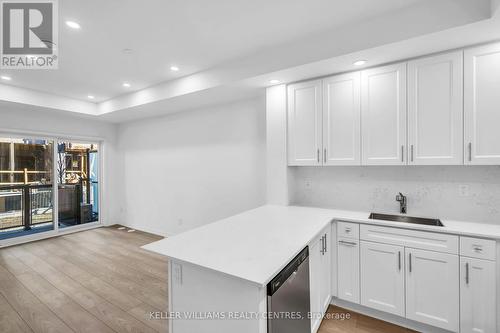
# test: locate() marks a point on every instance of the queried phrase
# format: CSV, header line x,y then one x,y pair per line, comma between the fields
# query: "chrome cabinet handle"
x,y
399,260
411,152
409,262
324,155
478,249
348,243
318,155
326,249
470,151
402,153
347,230
467,273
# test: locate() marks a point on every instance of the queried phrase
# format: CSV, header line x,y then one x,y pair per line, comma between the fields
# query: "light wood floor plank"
x,y
36,314
107,291
73,264
117,268
122,256
76,317
10,321
142,312
110,314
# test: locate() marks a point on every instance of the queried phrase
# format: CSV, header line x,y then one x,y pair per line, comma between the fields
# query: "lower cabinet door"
x,y
477,296
382,277
432,288
348,269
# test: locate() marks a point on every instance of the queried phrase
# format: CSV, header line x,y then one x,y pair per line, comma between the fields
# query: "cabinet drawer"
x,y
410,238
348,230
478,248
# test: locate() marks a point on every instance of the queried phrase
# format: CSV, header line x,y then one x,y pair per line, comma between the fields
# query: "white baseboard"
x,y
388,317
153,231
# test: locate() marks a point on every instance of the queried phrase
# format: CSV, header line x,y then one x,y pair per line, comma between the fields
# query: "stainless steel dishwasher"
x,y
288,298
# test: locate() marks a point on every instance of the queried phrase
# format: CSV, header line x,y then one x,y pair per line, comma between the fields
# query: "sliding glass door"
x,y
43,180
26,186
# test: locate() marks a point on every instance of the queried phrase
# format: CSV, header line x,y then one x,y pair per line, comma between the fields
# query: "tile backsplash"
x,y
466,193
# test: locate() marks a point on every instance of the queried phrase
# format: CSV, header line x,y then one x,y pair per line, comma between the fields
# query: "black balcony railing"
x,y
25,205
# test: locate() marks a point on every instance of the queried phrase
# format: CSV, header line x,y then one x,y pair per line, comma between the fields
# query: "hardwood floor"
x,y
100,280
92,281
357,323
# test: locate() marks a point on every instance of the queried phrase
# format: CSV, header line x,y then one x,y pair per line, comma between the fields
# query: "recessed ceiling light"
x,y
90,96
174,68
359,63
126,84
5,77
73,25
274,81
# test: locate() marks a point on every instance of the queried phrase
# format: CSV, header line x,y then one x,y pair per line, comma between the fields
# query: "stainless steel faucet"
x,y
402,202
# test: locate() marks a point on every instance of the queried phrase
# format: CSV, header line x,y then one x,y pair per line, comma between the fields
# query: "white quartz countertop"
x,y
255,245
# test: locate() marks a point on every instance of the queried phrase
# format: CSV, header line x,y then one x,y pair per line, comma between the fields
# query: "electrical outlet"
x,y
308,184
464,190
177,273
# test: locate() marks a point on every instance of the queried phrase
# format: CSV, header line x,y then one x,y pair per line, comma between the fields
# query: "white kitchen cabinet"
x,y
319,276
435,110
383,114
342,120
383,277
477,296
432,288
481,101
305,123
348,269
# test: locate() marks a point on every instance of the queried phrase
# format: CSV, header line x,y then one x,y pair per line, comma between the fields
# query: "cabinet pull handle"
x,y
322,246
326,249
324,155
318,155
470,151
478,249
402,153
399,260
348,243
409,262
467,273
412,153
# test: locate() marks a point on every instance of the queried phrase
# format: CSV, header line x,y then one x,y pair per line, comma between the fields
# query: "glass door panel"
x,y
78,183
26,198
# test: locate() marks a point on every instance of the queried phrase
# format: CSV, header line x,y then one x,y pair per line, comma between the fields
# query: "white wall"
x,y
432,190
191,168
20,118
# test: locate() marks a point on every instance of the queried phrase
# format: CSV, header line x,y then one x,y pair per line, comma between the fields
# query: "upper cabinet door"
x,y
305,123
341,120
435,109
482,100
383,110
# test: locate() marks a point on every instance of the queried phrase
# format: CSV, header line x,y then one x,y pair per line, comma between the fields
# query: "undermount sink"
x,y
406,219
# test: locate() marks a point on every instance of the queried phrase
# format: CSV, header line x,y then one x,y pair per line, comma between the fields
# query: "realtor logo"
x,y
29,34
